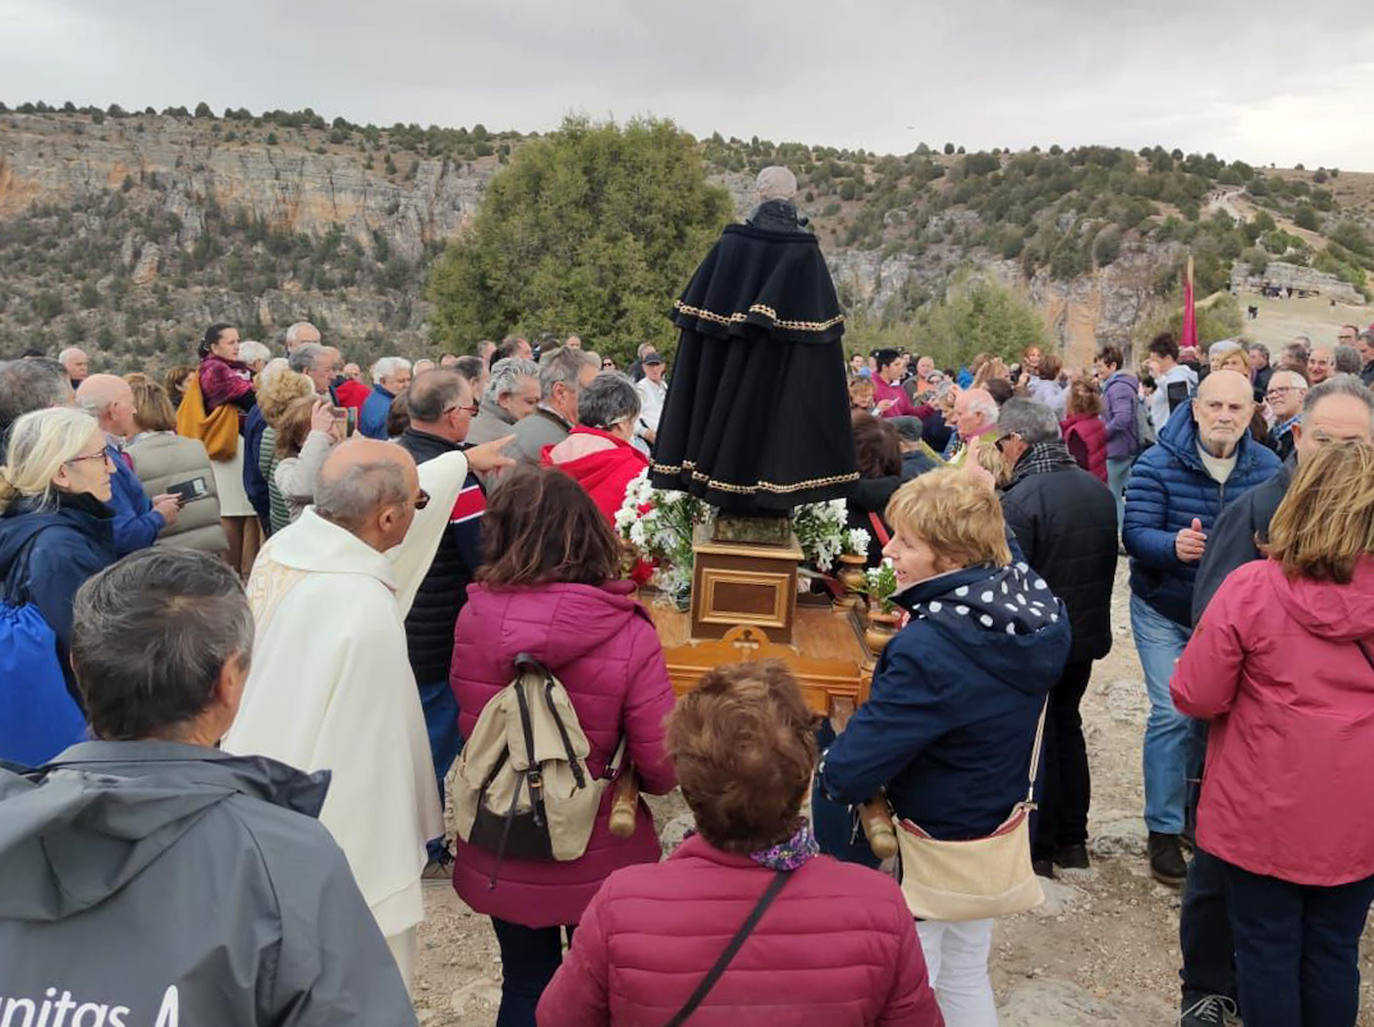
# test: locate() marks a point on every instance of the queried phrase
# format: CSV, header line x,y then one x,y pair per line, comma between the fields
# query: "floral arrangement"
x,y
882,585
659,524
820,528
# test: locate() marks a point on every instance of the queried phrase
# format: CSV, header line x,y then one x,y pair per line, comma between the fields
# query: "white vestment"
x,y
330,688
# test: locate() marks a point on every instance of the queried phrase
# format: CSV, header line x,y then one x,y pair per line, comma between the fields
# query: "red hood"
x,y
1341,613
603,472
556,624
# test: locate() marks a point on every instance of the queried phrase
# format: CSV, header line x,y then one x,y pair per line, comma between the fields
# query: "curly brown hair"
x,y
540,527
1085,396
744,745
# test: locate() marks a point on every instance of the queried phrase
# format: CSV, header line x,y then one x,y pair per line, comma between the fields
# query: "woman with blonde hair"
x,y
55,532
164,460
1282,664
951,722
277,390
307,433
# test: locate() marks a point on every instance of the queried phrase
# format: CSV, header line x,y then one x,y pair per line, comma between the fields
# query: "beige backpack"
x,y
521,787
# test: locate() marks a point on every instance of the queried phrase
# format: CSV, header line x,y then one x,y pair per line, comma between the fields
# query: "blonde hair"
x,y
1231,360
40,443
278,391
959,517
1326,520
152,409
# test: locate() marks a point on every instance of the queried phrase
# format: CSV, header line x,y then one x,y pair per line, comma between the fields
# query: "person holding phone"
x,y
168,463
310,429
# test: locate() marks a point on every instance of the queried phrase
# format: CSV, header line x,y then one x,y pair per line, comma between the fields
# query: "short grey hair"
x,y
608,399
151,635
471,368
433,392
1348,360
1222,346
387,367
1258,347
70,351
1338,385
251,351
350,498
295,330
564,366
303,358
504,375
987,407
1033,422
28,384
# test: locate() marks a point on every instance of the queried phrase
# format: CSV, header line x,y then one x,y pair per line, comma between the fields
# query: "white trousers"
x,y
402,948
957,962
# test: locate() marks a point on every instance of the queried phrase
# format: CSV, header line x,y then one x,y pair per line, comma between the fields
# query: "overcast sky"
x,y
1221,75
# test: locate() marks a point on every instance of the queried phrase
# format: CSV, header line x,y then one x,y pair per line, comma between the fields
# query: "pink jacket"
x,y
603,647
837,948
1277,667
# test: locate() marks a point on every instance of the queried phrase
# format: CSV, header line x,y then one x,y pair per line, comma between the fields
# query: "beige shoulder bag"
x,y
979,877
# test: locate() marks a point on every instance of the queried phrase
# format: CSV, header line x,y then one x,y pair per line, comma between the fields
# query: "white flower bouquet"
x,y
821,530
659,524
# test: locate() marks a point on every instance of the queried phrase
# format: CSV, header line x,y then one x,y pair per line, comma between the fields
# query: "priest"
x,y
331,686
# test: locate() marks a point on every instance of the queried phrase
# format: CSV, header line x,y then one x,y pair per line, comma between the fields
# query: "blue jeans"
x,y
1297,949
1173,749
445,743
1118,470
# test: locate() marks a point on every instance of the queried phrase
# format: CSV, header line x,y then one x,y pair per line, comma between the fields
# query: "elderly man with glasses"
x,y
1285,394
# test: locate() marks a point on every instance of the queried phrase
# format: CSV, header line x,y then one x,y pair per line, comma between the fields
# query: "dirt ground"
x,y
1102,950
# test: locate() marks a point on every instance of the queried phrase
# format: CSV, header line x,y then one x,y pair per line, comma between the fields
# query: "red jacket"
x,y
598,461
837,948
1289,781
603,647
351,394
1086,437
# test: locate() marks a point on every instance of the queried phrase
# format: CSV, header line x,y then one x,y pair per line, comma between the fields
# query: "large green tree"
x,y
593,229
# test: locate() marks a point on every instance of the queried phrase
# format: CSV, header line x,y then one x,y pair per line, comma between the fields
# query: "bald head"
x,y
369,488
108,399
1222,409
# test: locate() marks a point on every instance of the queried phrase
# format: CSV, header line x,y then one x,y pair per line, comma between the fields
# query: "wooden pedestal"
x,y
828,654
738,584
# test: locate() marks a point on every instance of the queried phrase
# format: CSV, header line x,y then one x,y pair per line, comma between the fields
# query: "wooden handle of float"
x,y
876,819
625,803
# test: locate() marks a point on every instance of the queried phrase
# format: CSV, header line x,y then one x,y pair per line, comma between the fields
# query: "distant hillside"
x,y
128,232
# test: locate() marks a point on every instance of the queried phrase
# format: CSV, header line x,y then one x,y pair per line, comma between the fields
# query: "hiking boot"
x,y
1043,868
1166,859
1072,857
1211,1011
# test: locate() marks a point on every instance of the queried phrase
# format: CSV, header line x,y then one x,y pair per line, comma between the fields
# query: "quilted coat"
x,y
1086,437
1277,666
837,948
603,647
1167,489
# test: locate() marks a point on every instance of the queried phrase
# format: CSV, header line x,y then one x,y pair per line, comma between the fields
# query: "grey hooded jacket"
x,y
155,883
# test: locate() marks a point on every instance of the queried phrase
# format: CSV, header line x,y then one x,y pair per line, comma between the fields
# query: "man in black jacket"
x,y
1065,522
1339,410
441,408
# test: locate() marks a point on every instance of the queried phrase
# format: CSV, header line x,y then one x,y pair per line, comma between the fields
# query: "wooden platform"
x,y
828,653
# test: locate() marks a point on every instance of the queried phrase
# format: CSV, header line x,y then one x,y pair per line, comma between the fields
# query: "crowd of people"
x,y
258,611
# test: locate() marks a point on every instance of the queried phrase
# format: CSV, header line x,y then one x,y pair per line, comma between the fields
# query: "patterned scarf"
x,y
1041,458
789,854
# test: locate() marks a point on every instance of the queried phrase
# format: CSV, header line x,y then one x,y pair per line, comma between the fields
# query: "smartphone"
x,y
190,491
346,416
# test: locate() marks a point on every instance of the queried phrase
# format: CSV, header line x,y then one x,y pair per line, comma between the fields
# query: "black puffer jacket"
x,y
429,626
1065,522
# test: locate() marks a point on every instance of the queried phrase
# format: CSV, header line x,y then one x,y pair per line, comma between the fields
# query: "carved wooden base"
x,y
738,584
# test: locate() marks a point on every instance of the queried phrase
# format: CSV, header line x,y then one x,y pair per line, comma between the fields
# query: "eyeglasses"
x,y
1279,390
1002,439
103,455
422,500
471,408
608,365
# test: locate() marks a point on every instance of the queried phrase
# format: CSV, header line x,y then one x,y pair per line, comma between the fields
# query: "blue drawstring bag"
x,y
38,718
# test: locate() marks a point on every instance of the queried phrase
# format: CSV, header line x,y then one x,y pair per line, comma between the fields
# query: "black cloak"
x,y
756,419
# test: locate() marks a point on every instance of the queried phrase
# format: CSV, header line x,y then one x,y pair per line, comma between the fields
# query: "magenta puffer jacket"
x,y
603,647
1277,667
837,948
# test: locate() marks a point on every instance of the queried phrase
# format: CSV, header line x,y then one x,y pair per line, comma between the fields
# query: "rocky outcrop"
x,y
1283,275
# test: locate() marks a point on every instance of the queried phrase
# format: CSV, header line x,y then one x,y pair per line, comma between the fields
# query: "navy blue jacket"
x,y
253,482
1167,489
136,523
372,417
950,722
77,542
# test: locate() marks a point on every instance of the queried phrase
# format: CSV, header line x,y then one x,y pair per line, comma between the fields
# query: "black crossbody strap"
x,y
713,975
